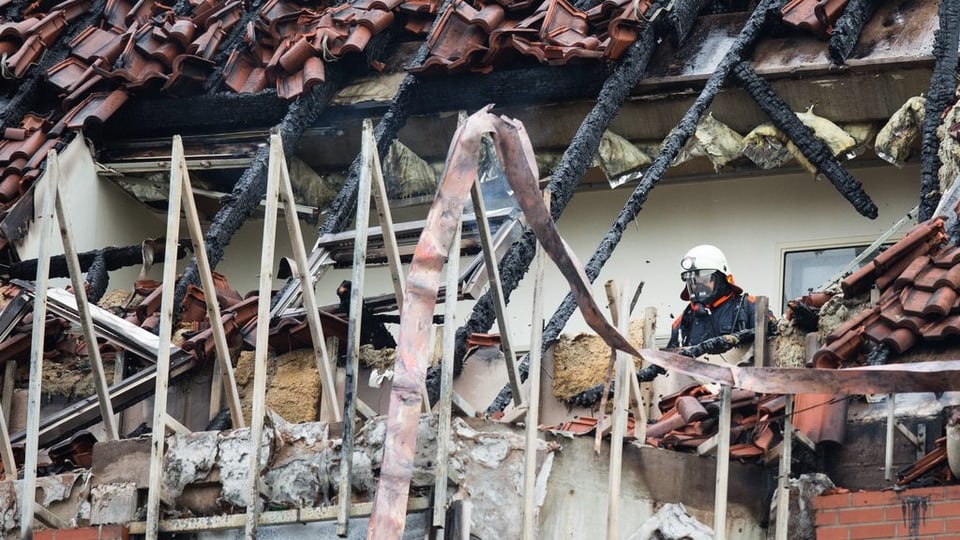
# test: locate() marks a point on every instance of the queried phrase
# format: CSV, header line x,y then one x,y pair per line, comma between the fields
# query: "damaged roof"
x,y
73,65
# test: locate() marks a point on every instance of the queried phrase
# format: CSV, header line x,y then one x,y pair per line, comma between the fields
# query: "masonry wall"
x,y
915,514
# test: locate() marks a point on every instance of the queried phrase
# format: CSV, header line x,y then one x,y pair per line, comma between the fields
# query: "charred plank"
x,y
114,258
814,149
939,97
847,30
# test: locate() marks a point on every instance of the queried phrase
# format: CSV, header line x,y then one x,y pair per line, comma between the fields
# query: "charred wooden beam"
x,y
815,150
941,95
97,279
565,179
677,22
652,176
846,32
114,258
232,41
29,92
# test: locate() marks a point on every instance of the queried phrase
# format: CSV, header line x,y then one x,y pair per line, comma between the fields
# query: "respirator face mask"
x,y
701,285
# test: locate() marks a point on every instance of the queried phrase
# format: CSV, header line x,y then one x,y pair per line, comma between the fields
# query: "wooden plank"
x,y
119,367
783,481
379,192
888,449
760,333
163,349
83,310
9,380
276,517
6,449
353,332
47,196
621,404
223,372
533,403
723,467
603,423
324,365
445,404
496,291
263,333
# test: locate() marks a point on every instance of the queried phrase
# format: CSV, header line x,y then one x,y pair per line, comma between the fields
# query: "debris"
x,y
803,490
672,522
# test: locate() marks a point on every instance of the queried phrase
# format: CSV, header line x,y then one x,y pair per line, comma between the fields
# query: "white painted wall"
x,y
753,219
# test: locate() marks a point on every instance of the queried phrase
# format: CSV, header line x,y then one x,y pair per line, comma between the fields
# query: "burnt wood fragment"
x,y
114,258
847,30
815,150
679,20
941,95
97,278
652,176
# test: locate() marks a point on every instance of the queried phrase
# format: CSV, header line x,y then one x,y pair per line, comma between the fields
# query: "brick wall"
x,y
916,514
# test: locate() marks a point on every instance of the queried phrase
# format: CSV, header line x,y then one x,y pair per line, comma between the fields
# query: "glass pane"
x,y
804,270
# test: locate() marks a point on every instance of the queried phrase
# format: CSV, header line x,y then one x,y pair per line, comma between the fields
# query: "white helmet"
x,y
705,257
699,268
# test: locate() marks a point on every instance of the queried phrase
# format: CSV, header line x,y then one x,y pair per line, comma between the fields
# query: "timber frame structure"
x,y
416,385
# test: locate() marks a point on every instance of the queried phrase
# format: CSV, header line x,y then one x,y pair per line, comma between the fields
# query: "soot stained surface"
x,y
940,96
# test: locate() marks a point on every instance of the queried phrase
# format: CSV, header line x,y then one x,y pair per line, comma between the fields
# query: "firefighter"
x,y
717,306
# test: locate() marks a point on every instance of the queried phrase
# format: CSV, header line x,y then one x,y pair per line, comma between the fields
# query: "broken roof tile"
x,y
242,74
96,108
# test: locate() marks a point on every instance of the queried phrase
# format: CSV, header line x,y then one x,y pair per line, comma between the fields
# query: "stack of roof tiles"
x,y
918,280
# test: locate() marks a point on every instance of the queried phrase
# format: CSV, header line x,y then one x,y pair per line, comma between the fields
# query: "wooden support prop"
x,y
224,366
496,290
324,365
621,392
379,192
445,404
28,503
368,148
258,410
783,481
163,354
603,425
86,325
760,333
533,404
723,467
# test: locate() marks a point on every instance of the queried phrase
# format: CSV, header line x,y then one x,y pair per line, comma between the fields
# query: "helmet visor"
x,y
701,284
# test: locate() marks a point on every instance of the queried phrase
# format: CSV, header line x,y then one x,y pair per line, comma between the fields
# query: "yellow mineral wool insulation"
x,y
404,168
896,138
714,140
617,155
581,362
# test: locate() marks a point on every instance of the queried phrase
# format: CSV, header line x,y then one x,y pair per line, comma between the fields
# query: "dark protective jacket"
x,y
730,313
